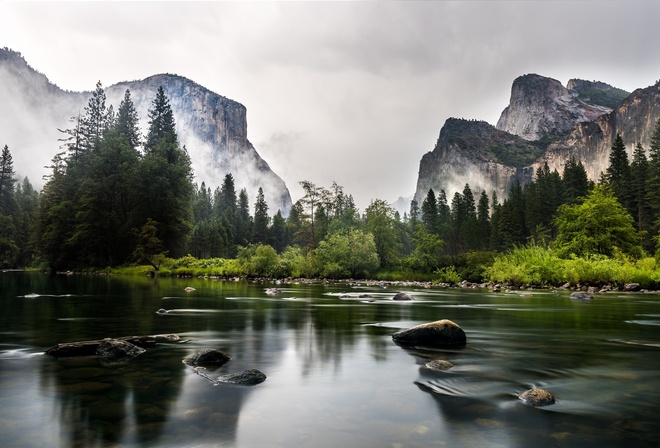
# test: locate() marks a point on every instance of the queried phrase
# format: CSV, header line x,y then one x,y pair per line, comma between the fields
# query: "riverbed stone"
x,y
249,377
632,287
441,333
581,295
537,397
439,365
402,296
209,357
115,350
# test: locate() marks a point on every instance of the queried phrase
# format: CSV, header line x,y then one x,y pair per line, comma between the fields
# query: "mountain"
x,y
213,128
544,122
540,106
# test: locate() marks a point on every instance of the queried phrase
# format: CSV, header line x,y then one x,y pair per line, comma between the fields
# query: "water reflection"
x,y
334,375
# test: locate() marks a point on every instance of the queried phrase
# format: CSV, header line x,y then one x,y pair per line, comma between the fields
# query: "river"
x,y
334,375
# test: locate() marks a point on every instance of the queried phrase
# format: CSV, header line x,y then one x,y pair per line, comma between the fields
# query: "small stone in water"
x,y
537,397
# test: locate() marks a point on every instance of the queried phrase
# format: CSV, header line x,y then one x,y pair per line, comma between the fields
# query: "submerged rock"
x,y
441,333
537,397
248,377
581,296
439,365
189,289
210,357
115,350
273,291
162,311
402,296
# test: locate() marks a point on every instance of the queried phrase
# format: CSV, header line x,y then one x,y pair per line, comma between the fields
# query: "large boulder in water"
x,y
210,358
248,377
580,295
115,350
402,296
442,333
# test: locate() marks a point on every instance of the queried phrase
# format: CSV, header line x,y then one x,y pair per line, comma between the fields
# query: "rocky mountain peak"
x,y
541,106
212,127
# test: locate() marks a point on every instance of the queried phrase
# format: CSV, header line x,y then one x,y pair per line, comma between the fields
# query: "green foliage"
x,y
608,97
447,275
258,260
597,226
527,265
348,254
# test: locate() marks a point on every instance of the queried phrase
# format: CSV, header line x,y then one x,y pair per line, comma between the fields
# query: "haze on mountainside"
x,y
333,87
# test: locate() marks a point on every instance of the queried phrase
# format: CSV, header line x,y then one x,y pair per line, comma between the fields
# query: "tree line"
x,y
115,197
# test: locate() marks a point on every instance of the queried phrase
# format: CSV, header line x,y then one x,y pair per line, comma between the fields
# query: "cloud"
x,y
353,92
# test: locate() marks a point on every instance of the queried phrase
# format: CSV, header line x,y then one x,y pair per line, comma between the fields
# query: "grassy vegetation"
x,y
523,266
535,265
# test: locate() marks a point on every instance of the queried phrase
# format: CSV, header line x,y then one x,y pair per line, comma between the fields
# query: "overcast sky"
x,y
352,92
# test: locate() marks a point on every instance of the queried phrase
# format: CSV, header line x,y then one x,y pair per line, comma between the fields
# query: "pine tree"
x,y
128,122
7,182
278,233
261,219
244,220
653,183
575,182
639,169
166,179
430,216
95,121
161,123
618,172
483,221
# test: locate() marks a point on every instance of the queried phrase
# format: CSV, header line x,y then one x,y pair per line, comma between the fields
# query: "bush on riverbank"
x,y
536,265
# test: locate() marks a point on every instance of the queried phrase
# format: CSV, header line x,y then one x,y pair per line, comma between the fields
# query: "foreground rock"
x,y
248,377
402,296
116,350
537,397
581,296
207,358
439,365
89,348
442,333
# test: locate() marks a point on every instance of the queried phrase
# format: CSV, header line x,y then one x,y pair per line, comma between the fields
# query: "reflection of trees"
x,y
102,404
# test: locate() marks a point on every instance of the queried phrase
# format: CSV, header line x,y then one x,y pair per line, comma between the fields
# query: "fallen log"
x,y
89,348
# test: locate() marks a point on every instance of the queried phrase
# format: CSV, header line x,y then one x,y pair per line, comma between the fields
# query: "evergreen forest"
x,y
116,200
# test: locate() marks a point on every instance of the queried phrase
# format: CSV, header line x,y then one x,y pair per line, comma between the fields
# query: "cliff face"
x,y
541,106
634,119
213,128
474,153
544,123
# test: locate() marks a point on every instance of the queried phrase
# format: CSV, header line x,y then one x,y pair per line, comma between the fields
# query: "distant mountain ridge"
x,y
544,122
213,128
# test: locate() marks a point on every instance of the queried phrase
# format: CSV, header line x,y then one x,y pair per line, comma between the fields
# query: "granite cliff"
x,y
213,128
544,122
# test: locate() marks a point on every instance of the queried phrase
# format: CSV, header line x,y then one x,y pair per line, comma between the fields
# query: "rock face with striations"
x,y
212,128
541,106
543,123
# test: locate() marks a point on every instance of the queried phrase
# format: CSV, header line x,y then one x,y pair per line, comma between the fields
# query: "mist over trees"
x,y
117,197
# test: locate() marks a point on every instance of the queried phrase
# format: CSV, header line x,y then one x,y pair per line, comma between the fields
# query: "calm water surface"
x,y
335,378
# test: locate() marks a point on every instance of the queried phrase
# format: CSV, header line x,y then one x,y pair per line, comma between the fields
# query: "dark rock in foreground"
x,y
537,397
116,350
210,357
248,377
402,296
439,365
442,333
581,296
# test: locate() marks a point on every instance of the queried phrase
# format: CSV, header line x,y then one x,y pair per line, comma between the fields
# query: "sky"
x,y
349,92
